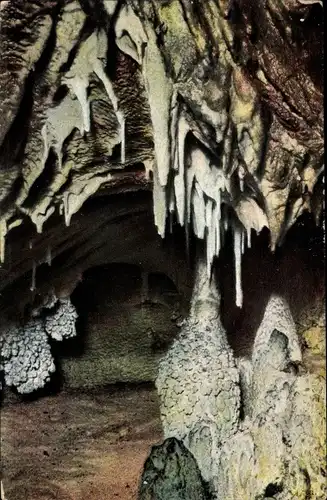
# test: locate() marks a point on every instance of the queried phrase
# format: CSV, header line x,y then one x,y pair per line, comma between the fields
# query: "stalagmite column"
x,y
198,383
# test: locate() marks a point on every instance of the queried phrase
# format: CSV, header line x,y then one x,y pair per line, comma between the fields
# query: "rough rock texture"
x,y
171,472
60,323
198,382
216,107
124,327
249,439
26,357
250,138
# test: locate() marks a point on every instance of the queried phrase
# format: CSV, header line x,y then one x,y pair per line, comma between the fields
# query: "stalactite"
x,y
45,144
79,86
218,219
3,232
121,120
179,180
66,208
198,207
33,280
238,265
248,237
49,256
160,203
99,71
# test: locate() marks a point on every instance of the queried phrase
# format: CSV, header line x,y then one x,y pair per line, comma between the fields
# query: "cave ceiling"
x,y
215,107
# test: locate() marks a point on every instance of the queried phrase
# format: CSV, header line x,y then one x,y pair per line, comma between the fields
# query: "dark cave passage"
x,y
126,321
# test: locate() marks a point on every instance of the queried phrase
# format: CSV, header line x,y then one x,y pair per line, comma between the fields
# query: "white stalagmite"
x,y
238,265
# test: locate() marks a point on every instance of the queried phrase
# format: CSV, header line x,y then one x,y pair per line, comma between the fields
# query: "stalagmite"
x,y
198,383
238,265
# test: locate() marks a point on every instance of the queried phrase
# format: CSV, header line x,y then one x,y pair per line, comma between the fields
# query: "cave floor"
x,y
78,445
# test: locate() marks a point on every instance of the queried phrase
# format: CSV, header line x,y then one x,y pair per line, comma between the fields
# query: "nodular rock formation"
x,y
216,108
249,423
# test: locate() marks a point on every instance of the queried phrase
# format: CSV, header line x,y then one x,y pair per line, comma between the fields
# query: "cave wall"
x,y
122,329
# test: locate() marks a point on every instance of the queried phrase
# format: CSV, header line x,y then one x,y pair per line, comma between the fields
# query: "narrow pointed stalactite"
x,y
49,256
238,265
179,179
3,233
66,208
248,237
33,277
121,120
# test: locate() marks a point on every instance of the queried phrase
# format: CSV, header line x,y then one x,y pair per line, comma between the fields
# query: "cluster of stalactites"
x,y
188,185
73,112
